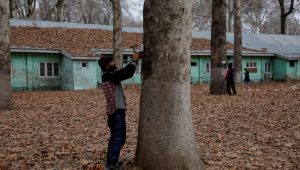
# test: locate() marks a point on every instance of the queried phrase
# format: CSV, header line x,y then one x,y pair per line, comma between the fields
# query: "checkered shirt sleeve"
x,y
109,93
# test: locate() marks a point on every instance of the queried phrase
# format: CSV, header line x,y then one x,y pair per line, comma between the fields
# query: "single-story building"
x,y
266,56
53,55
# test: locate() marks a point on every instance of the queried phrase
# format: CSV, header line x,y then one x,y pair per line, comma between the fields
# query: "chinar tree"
x,y
166,137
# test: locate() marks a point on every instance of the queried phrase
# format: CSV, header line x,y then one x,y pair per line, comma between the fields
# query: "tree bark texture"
x,y
117,32
11,8
5,70
230,16
237,41
60,10
218,47
30,8
166,137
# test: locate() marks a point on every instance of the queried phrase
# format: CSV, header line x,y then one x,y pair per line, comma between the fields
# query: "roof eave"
x,y
111,51
230,53
49,51
33,50
287,58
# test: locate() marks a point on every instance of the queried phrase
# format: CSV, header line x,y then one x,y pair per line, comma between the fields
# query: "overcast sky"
x,y
136,8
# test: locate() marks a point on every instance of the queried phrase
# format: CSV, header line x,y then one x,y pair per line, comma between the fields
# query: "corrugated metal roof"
x,y
285,46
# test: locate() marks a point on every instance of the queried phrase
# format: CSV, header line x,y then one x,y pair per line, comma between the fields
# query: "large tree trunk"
x,y
237,41
284,15
218,47
5,73
117,32
166,137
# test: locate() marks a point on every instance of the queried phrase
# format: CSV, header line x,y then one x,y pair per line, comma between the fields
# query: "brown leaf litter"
x,y
257,129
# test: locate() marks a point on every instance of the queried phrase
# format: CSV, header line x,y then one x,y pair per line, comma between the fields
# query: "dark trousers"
x,y
230,86
117,126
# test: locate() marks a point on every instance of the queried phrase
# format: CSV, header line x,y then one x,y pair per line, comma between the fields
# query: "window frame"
x,y
208,69
84,62
268,67
292,65
251,64
52,70
194,64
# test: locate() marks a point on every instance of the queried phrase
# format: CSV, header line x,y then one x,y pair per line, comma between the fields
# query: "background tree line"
x,y
75,11
258,16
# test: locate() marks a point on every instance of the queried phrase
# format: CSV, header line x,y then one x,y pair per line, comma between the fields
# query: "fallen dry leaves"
x,y
82,41
257,129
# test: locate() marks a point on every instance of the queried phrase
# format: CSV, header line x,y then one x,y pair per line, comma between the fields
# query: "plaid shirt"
x,y
109,90
112,87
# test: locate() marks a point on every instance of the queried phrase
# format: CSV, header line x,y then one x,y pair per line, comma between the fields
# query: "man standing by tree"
x,y
229,78
115,105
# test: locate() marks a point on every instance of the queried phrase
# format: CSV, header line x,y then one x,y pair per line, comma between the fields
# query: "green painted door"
x,y
19,72
267,70
195,75
99,74
292,69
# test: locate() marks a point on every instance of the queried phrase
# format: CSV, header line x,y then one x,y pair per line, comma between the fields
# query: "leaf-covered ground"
x,y
257,129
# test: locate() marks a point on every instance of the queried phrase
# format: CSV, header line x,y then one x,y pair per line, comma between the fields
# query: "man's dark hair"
x,y
104,61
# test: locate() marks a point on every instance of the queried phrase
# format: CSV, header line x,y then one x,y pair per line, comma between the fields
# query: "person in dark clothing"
x,y
247,77
229,78
115,105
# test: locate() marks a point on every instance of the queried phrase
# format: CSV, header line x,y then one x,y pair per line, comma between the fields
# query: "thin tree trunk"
x,y
5,70
117,32
60,10
22,13
166,137
237,41
284,15
49,14
30,8
230,15
83,13
11,8
218,47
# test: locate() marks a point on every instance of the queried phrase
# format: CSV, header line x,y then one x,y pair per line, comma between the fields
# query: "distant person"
x,y
229,78
247,77
115,105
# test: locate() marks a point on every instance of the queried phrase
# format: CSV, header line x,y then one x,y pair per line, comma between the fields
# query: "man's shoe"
x,y
112,167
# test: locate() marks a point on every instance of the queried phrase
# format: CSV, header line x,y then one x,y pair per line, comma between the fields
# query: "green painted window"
x,y
251,65
84,64
56,74
193,63
42,69
208,67
49,69
292,63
